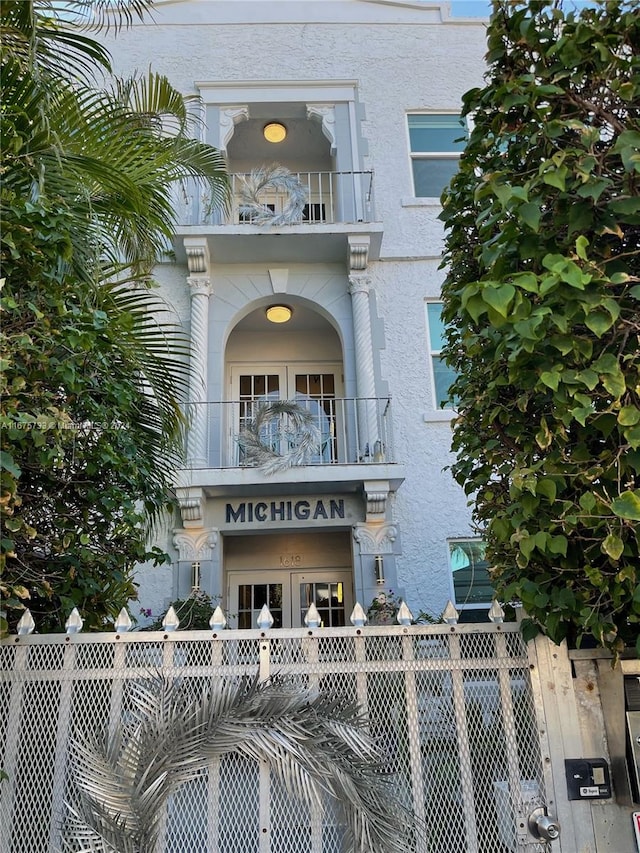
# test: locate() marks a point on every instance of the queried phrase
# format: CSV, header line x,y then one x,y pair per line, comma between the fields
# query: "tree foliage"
x,y
92,365
542,298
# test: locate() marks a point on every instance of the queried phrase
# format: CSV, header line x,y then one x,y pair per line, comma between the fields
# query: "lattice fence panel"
x,y
452,709
33,773
291,823
187,825
238,825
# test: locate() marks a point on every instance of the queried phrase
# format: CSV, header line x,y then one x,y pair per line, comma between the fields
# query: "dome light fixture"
x,y
275,131
279,313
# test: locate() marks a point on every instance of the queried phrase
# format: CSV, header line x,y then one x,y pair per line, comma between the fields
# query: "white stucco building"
x,y
366,94
336,496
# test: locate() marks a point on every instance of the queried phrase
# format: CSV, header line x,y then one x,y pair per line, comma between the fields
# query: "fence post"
x,y
264,769
553,689
62,742
415,748
464,750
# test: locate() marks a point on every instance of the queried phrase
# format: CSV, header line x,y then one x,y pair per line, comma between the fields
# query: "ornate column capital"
x,y
199,285
195,545
375,538
359,284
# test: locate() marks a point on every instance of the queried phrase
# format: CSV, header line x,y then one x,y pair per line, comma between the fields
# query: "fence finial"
x,y
74,622
358,616
496,613
170,621
312,618
26,625
450,615
218,620
265,619
123,622
405,616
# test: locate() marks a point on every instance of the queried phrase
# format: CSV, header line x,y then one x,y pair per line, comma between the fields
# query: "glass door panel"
x,y
288,596
317,392
248,592
328,599
250,391
330,591
314,387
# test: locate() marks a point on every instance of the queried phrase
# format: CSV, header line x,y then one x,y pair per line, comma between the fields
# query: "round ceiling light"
x,y
279,313
274,131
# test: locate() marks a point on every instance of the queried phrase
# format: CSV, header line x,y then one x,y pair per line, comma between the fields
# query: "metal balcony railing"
x,y
304,431
329,198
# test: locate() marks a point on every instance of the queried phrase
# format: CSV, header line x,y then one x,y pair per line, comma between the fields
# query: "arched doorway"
x,y
300,361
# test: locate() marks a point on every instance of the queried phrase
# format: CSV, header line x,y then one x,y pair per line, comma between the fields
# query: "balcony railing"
x,y
330,197
274,434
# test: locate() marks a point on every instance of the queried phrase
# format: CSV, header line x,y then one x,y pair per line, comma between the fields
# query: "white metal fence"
x,y
452,704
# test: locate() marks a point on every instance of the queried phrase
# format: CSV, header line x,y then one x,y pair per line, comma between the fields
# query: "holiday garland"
x,y
278,179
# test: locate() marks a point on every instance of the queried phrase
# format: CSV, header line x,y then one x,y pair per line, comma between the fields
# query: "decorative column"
x,y
200,287
376,559
368,434
195,555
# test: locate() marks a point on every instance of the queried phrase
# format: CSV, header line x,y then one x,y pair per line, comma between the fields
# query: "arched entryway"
x,y
299,360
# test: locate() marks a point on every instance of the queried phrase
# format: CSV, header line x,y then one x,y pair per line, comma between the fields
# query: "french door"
x,y
288,596
313,387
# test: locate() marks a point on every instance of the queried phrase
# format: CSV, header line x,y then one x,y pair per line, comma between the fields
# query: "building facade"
x,y
317,442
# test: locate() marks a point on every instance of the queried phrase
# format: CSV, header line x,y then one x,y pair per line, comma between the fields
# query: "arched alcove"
x,y
299,360
306,337
304,149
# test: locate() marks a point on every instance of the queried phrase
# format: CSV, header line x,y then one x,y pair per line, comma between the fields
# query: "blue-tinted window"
x,y
436,143
436,133
470,570
443,376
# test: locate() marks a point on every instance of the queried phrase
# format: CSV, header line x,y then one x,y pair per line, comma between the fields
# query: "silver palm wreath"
x,y
278,179
284,424
317,743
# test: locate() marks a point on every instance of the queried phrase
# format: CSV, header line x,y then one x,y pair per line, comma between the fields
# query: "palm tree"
x,y
316,743
89,170
109,156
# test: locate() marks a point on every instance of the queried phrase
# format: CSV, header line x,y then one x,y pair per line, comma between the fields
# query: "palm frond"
x,y
103,15
317,744
110,158
152,97
37,34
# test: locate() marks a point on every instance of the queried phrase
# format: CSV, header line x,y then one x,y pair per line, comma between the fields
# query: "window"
x,y
436,142
470,571
442,375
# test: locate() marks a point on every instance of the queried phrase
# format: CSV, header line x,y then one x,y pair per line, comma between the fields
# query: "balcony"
x,y
308,443
257,228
